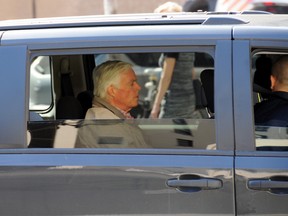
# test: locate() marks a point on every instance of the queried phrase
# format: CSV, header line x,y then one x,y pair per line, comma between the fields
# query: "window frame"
x,y
226,140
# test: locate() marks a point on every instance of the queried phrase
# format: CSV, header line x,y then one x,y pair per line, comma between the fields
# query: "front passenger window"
x,y
271,101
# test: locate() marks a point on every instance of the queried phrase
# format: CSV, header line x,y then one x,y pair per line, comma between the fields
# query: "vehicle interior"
x,y
61,92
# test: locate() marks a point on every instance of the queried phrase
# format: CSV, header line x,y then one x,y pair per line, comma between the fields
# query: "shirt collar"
x,y
118,112
126,114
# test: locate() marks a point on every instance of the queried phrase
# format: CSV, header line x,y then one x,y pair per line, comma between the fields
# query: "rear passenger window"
x,y
62,91
270,76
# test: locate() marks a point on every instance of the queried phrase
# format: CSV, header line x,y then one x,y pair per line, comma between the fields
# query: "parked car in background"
x,y
274,6
220,163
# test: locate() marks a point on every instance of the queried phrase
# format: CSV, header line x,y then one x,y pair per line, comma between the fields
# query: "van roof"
x,y
201,18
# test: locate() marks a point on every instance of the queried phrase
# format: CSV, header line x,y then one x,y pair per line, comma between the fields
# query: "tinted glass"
x,y
64,125
270,103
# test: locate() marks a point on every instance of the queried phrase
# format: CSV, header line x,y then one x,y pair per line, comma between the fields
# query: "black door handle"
x,y
193,183
264,184
276,185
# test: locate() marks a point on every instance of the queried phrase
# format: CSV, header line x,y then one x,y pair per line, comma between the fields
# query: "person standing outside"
x,y
175,96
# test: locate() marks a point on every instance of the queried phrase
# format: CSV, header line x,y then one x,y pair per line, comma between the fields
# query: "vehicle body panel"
x,y
82,184
15,117
101,36
115,181
271,199
258,174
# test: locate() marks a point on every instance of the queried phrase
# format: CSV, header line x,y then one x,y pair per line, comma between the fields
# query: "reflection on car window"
x,y
137,133
271,138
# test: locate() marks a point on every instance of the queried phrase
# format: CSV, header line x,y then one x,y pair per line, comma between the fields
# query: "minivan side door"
x,y
261,174
113,181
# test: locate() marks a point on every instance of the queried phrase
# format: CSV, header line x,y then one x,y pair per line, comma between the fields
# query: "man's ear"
x,y
273,81
111,91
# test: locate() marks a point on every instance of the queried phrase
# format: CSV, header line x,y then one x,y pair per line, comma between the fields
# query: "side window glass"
x,y
77,119
270,95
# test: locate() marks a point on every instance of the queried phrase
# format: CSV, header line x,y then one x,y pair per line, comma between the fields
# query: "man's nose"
x,y
138,87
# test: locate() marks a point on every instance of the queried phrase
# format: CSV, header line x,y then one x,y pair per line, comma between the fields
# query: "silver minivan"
x,y
218,163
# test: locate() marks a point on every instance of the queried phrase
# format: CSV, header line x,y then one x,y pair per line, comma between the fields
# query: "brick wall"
x,y
19,9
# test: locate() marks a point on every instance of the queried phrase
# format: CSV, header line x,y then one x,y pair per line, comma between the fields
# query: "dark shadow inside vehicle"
x,y
207,79
42,133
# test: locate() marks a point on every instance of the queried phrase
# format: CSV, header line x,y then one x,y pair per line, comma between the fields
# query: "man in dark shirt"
x,y
274,111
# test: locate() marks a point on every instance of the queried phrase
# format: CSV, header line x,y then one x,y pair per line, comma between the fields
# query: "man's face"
x,y
126,95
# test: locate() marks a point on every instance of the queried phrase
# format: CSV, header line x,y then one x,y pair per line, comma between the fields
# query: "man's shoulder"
x,y
281,95
100,113
272,112
276,100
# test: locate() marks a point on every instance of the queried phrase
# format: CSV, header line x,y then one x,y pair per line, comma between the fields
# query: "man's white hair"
x,y
106,74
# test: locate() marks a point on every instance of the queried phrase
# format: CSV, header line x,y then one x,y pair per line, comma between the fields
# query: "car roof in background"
x,y
284,2
197,18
